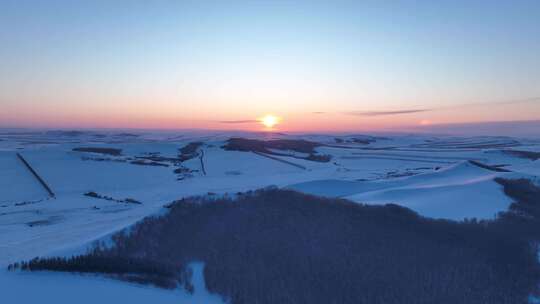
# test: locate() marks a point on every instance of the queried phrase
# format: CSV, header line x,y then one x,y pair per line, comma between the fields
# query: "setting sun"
x,y
269,121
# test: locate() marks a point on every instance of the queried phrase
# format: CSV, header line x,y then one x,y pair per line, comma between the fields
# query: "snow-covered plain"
x,y
429,174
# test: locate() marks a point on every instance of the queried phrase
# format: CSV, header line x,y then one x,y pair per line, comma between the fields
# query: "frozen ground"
x,y
429,174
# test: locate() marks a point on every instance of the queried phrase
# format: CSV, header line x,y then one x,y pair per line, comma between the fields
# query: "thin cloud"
x,y
245,121
450,107
318,112
385,113
494,103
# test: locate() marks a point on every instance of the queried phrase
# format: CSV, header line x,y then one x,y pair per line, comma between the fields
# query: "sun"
x,y
269,121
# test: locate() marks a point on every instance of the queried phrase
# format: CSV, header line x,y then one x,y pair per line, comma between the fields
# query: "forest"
x,y
281,246
270,147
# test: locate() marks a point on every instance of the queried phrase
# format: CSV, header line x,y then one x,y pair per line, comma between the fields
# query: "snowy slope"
x,y
473,199
456,192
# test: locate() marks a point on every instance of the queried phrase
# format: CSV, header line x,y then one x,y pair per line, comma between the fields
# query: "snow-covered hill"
x,y
459,191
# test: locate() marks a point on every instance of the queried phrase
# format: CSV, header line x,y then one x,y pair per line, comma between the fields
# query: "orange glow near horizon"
x,y
232,116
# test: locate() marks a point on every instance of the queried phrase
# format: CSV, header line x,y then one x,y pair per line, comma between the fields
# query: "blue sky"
x,y
192,63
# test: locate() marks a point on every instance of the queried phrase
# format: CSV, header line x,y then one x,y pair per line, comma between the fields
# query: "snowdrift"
x,y
464,190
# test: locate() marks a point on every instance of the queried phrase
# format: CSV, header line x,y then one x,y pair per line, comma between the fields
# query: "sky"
x,y
317,65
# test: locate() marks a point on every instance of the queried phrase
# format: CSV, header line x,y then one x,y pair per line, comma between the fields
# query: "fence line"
x,y
201,156
280,160
41,181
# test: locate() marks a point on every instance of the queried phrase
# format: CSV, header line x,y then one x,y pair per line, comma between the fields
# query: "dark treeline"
x,y
107,151
148,163
267,147
138,270
365,140
189,151
488,167
244,144
281,246
523,215
524,154
109,198
526,194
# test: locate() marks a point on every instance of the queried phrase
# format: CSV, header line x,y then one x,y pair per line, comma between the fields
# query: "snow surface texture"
x,y
429,174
